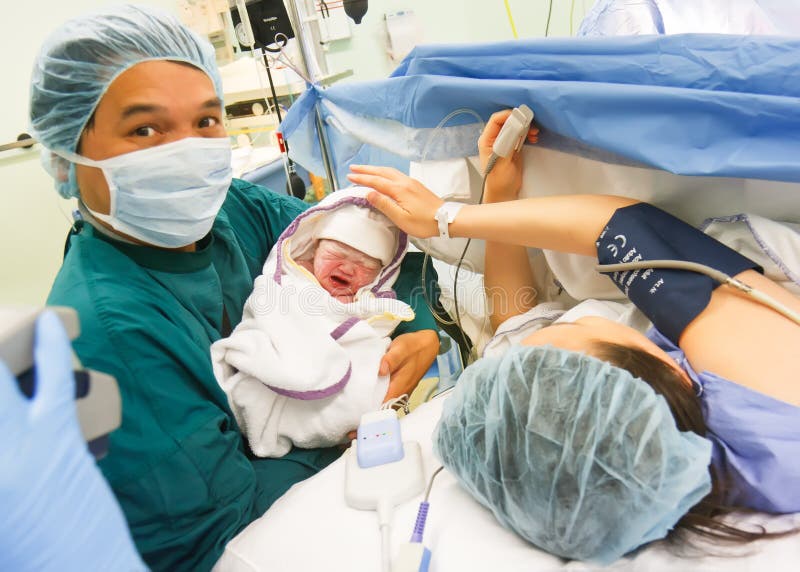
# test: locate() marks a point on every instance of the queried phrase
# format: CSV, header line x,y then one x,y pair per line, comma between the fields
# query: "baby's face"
x,y
342,270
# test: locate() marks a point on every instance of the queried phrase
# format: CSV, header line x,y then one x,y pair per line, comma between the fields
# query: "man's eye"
x,y
209,122
144,131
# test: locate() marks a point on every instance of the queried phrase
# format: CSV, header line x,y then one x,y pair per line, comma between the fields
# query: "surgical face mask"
x,y
168,195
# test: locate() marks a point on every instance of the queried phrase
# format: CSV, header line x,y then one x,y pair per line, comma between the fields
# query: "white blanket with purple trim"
x,y
301,367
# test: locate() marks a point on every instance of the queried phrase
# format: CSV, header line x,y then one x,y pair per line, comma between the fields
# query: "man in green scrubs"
x,y
128,106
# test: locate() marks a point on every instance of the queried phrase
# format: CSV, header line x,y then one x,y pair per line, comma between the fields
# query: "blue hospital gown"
x,y
755,438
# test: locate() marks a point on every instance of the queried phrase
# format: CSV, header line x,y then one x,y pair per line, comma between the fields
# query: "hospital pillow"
x,y
573,454
79,61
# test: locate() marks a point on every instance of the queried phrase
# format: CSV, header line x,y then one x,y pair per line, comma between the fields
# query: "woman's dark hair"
x,y
702,518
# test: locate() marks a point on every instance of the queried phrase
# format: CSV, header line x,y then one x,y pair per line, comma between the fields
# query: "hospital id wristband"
x,y
445,215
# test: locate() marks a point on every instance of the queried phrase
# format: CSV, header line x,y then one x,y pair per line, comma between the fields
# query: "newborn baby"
x,y
341,269
303,365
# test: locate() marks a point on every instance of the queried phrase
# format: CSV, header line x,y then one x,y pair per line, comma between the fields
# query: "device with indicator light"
x,y
378,439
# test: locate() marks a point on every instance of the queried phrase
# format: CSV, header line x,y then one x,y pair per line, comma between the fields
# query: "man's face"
x,y
343,270
152,103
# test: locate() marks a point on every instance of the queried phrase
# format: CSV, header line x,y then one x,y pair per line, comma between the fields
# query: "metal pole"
x,y
325,150
288,166
309,36
301,34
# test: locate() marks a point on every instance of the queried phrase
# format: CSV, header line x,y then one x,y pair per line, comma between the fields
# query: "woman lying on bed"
x,y
560,437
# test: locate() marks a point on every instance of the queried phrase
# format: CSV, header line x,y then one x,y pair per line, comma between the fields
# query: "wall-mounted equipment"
x,y
268,19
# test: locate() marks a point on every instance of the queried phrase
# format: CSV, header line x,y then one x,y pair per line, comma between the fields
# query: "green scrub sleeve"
x,y
409,288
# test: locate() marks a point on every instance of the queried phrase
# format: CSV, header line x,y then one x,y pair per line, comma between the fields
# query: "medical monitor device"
x,y
98,401
268,18
512,134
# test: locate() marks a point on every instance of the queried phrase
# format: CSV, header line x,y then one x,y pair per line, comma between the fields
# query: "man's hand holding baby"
x,y
408,358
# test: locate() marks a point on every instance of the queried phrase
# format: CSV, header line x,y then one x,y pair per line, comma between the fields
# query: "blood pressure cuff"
x,y
670,298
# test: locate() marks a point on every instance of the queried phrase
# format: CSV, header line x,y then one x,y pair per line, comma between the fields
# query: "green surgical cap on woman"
x,y
573,454
79,61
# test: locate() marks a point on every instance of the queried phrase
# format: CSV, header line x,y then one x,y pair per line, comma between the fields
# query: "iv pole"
x,y
294,183
311,53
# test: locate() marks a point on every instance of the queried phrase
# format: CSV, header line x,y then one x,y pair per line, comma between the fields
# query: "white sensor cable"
x,y
713,273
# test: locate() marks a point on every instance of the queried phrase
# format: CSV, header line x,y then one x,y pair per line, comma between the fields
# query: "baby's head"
x,y
342,270
353,244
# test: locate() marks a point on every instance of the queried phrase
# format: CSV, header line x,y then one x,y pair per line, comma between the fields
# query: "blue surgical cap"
x,y
573,454
79,61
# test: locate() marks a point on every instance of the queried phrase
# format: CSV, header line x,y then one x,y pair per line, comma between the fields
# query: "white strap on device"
x,y
445,215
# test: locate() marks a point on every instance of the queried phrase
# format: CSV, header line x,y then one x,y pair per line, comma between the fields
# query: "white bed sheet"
x,y
311,528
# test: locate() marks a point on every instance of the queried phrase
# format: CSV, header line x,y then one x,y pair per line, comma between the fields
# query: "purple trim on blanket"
x,y
358,201
402,243
391,294
292,228
316,393
344,327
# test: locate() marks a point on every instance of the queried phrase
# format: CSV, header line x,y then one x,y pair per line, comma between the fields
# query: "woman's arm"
x,y
507,281
744,341
569,223
507,277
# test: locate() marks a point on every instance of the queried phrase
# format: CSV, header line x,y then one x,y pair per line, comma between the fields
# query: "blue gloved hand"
x,y
58,511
